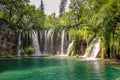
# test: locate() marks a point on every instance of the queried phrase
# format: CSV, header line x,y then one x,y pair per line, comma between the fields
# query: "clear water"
x,y
57,69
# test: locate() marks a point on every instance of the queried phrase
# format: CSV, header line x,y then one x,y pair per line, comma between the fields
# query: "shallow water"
x,y
45,68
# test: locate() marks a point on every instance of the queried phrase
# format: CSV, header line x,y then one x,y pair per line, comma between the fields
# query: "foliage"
x,y
42,6
28,50
68,20
20,14
74,34
51,21
62,7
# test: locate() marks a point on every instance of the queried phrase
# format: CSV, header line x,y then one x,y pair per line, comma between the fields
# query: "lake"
x,y
57,68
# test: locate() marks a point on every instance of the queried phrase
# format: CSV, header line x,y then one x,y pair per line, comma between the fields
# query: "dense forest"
x,y
85,20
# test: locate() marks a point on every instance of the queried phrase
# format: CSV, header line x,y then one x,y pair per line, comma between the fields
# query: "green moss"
x,y
77,56
26,51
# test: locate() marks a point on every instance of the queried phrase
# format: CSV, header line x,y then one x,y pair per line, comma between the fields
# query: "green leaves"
x,y
21,14
68,19
51,21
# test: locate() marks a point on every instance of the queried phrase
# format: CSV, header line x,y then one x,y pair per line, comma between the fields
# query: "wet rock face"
x,y
8,38
7,41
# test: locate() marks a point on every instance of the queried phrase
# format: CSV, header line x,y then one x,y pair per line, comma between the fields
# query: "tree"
x,y
12,11
62,7
51,21
67,20
41,6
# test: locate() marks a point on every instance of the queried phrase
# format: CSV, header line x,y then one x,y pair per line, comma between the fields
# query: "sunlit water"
x,y
45,68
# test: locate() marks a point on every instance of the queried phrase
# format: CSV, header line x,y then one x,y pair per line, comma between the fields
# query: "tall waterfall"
x,y
41,40
45,47
46,42
35,44
62,42
93,49
19,44
50,42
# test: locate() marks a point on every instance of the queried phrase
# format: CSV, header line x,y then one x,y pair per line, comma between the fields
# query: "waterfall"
x,y
49,41
70,50
19,44
41,41
89,48
62,42
96,49
45,47
35,44
46,43
93,49
51,45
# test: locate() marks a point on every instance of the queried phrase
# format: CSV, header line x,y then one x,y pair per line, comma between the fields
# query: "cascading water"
x,y
40,41
48,42
51,41
70,50
45,43
62,42
19,44
45,47
89,48
93,49
35,44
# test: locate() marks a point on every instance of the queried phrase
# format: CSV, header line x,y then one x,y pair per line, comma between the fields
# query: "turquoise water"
x,y
44,68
